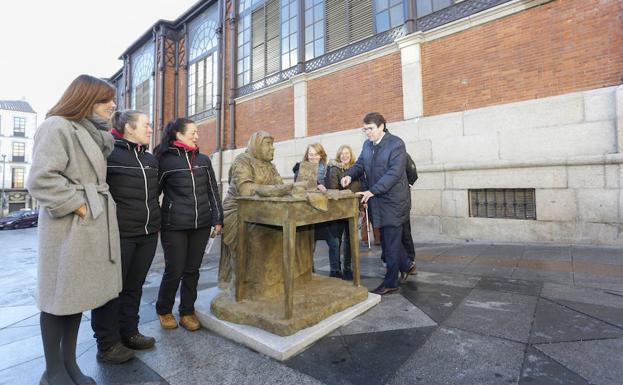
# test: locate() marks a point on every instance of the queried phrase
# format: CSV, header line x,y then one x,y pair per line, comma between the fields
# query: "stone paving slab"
x,y
550,253
405,316
492,313
437,301
509,285
543,275
613,316
448,279
202,357
556,323
606,255
598,361
581,294
361,358
14,314
539,369
452,356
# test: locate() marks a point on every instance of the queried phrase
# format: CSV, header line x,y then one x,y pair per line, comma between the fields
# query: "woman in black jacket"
x,y
132,176
190,207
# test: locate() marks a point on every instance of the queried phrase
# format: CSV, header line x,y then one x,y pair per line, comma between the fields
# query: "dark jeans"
x,y
183,253
341,232
395,255
407,242
119,317
334,253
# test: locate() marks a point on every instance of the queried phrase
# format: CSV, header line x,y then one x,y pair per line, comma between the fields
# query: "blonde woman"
x,y
336,170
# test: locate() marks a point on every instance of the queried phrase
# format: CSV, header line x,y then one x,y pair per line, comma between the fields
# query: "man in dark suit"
x,y
383,161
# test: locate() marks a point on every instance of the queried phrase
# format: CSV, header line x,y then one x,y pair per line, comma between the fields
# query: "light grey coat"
x,y
79,264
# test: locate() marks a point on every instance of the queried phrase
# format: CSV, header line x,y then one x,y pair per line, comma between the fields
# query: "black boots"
x,y
138,341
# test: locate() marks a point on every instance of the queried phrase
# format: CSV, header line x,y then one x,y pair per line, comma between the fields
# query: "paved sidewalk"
x,y
475,314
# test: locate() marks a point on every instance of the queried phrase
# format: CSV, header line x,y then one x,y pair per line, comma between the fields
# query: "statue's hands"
x,y
345,181
322,188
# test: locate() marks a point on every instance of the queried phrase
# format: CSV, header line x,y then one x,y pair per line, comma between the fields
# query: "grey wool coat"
x,y
79,265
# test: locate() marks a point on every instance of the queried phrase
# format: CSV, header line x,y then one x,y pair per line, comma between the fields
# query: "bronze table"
x,y
288,213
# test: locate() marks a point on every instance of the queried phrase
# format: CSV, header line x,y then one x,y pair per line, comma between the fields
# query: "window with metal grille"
x,y
265,40
516,203
244,51
19,152
17,178
289,33
388,14
425,7
314,28
19,126
142,97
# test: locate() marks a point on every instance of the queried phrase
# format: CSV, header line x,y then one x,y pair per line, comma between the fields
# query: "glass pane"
x,y
309,34
396,15
380,5
318,13
309,16
293,41
424,7
293,58
294,8
284,29
382,21
394,2
439,4
318,30
285,47
309,51
308,3
293,25
284,13
319,47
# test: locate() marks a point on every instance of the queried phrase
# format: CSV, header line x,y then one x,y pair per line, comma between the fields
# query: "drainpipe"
x,y
232,69
411,20
219,91
161,70
176,71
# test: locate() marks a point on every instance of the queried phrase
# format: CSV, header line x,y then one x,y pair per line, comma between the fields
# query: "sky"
x,y
45,44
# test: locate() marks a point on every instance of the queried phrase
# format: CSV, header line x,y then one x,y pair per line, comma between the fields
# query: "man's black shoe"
x,y
138,341
116,354
412,271
382,290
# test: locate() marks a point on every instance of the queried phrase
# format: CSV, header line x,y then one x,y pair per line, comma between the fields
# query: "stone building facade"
x,y
512,109
18,122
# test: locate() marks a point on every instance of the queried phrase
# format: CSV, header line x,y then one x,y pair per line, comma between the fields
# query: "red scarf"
x,y
116,133
177,143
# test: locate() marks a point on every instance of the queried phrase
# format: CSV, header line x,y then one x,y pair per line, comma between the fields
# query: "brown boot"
x,y
167,321
190,322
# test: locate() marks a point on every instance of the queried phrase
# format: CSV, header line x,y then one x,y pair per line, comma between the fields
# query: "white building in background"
x,y
18,123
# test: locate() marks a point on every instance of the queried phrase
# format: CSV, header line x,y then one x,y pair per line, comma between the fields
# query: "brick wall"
x,y
273,113
340,100
559,47
207,136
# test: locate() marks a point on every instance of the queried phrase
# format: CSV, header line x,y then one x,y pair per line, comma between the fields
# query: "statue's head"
x,y
261,146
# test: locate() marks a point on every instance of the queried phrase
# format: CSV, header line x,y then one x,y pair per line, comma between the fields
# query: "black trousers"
x,y
407,242
119,316
395,254
183,253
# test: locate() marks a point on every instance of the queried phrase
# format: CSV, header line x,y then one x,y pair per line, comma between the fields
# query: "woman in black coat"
x,y
132,176
383,160
190,207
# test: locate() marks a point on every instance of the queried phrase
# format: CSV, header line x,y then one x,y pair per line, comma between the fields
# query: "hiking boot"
x,y
138,341
190,322
167,321
116,354
382,290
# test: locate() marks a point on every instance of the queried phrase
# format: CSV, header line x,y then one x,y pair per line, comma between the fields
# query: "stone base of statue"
x,y
278,347
314,300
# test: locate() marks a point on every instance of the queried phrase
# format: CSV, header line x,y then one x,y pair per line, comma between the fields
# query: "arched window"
x,y
142,81
202,70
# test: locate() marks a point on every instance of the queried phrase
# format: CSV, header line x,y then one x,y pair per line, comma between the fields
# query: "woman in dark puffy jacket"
x,y
336,170
132,176
190,207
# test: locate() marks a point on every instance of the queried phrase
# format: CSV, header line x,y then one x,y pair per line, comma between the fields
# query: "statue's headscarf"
x,y
253,147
